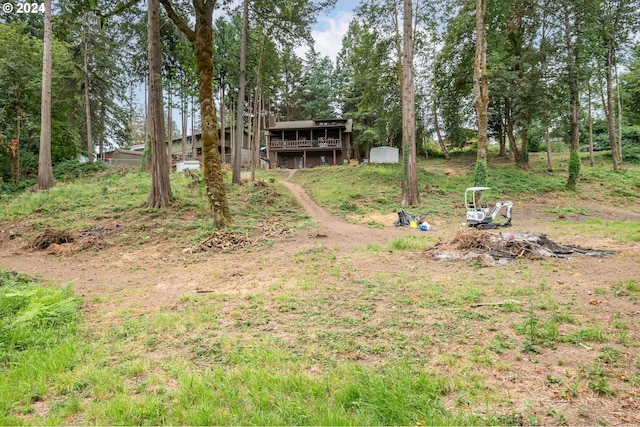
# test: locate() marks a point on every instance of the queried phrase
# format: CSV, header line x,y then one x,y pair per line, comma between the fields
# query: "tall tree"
x,y
318,88
410,195
573,35
45,167
481,91
202,37
617,19
237,160
160,195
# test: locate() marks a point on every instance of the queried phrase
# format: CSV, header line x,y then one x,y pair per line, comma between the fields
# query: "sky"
x,y
330,29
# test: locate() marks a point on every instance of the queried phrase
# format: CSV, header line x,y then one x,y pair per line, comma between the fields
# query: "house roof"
x,y
347,124
123,151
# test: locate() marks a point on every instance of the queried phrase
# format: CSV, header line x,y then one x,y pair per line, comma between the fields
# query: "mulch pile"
x,y
471,243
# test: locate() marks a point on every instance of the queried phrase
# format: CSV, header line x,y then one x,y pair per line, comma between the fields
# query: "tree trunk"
x,y
480,84
169,127
615,154
223,128
87,98
45,167
573,56
194,149
619,116
202,37
514,153
502,137
441,141
410,195
524,140
237,161
160,194
590,119
211,155
252,139
185,107
547,139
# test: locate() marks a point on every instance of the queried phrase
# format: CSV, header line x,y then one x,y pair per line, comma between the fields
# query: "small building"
x,y
309,143
384,155
121,156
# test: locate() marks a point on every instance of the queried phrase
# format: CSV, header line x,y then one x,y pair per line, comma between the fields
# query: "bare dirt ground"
x,y
154,276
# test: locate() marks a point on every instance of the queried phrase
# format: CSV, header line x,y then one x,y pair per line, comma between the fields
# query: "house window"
x,y
323,160
283,162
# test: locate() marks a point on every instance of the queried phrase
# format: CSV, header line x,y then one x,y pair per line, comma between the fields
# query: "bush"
x,y
631,154
574,170
7,188
70,169
481,174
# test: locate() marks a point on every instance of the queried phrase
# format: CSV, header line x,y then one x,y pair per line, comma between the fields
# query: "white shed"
x,y
384,155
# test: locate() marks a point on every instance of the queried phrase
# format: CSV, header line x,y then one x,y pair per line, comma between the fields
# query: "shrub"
x,y
70,169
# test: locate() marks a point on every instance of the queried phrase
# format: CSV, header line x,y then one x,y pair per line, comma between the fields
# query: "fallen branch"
x,y
496,304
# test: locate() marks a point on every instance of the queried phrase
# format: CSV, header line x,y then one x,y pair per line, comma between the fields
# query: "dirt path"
x,y
157,275
340,233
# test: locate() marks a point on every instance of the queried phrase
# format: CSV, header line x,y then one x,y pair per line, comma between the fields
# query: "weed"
x,y
609,356
601,386
409,243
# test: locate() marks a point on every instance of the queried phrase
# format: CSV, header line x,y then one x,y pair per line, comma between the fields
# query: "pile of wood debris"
x,y
59,241
489,248
220,240
226,240
49,237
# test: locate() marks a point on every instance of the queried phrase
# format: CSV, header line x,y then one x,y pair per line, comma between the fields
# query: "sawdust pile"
x,y
489,248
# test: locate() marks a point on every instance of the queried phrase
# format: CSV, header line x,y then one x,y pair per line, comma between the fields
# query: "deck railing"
x,y
297,144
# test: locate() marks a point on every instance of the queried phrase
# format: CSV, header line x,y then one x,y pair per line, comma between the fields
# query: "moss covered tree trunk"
x,y
202,38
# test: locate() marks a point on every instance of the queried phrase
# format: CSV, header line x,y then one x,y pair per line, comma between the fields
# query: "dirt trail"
x,y
338,232
157,275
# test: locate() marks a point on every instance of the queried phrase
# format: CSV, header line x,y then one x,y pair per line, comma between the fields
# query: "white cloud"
x,y
328,34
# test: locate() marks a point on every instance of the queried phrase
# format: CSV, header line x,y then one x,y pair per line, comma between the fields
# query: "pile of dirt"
x,y
489,248
49,237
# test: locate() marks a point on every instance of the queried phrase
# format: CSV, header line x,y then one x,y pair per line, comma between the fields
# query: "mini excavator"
x,y
482,217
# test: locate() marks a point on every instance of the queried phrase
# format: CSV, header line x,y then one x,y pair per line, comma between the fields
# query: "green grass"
x,y
377,336
120,197
108,379
38,342
350,190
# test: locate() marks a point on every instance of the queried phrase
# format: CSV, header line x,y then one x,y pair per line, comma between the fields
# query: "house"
x,y
195,152
309,143
121,156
